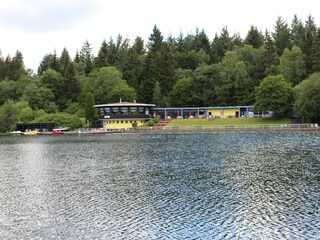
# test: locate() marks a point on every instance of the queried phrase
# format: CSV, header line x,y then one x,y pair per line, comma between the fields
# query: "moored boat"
x,y
57,132
31,133
16,133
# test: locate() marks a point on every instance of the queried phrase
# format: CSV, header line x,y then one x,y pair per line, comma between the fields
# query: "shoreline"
x,y
176,129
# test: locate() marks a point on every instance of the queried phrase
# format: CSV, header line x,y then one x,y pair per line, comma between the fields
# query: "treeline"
x,y
265,69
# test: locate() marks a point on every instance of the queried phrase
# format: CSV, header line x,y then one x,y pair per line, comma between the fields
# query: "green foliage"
x,y
316,53
49,61
224,71
101,60
307,104
8,116
281,36
104,82
71,86
61,119
38,97
254,38
86,57
220,45
64,60
192,59
134,125
156,119
273,94
157,96
89,109
182,93
292,65
74,108
204,79
9,90
233,74
122,91
150,123
53,80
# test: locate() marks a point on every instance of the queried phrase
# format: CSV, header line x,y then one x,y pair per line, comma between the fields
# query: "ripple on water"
x,y
161,186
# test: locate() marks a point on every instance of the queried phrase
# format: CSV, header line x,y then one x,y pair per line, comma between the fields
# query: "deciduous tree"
x,y
273,94
292,65
307,99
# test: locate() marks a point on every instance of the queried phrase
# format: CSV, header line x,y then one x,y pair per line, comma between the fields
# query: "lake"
x,y
259,185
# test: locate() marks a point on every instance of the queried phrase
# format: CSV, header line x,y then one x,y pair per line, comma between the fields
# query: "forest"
x,y
276,70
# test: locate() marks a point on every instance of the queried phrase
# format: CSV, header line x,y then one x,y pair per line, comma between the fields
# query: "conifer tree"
x,y
2,67
297,32
254,38
157,97
64,61
86,57
71,84
89,109
220,45
316,53
49,61
281,36
101,60
270,57
307,46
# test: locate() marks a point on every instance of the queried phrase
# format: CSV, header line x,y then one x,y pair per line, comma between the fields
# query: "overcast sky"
x,y
38,27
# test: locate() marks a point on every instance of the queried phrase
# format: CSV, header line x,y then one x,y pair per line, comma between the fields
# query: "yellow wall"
x,y
215,112
120,124
223,112
230,112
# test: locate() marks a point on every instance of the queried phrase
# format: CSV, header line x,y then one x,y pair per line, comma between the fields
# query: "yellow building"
x,y
227,112
124,115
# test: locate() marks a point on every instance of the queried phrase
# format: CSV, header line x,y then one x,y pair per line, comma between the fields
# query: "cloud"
x,y
45,16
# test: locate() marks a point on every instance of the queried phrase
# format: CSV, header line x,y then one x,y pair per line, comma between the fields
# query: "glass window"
x,y
124,110
141,110
133,109
107,109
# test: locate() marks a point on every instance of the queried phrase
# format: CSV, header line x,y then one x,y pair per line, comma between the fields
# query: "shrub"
x,y
61,119
150,123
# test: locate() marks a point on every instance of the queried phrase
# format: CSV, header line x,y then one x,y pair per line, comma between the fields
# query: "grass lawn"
x,y
226,121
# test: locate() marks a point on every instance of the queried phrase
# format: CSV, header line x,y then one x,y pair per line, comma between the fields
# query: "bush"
x,y
61,119
150,123
156,119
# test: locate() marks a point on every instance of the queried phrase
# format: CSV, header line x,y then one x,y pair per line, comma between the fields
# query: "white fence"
x,y
309,126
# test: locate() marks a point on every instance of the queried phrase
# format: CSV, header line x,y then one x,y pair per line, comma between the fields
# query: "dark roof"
x,y
125,104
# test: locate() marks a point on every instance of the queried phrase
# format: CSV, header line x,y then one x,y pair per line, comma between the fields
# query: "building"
x,y
123,115
40,127
204,112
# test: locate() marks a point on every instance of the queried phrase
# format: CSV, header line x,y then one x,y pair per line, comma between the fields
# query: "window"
x,y
115,110
133,109
124,110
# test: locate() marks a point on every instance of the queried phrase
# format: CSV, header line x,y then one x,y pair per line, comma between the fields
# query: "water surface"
x,y
161,186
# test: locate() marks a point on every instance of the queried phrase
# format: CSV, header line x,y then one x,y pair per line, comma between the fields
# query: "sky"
x,y
40,27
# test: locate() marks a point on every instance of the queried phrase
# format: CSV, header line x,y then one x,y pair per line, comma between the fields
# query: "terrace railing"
x,y
309,126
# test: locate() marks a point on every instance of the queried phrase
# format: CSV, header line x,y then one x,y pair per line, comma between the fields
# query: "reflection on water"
x,y
160,186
